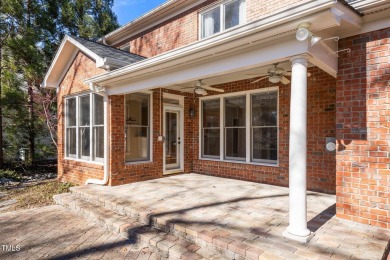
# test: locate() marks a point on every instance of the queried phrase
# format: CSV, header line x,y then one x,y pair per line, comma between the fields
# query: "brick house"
x,y
286,92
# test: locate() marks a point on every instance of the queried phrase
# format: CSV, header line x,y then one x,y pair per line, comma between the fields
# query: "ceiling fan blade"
x,y
259,79
288,73
205,94
285,80
213,89
308,74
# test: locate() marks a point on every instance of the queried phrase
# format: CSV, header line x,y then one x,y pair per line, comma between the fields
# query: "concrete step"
x,y
163,244
214,244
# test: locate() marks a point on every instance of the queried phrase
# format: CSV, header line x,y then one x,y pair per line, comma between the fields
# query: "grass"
x,y
35,196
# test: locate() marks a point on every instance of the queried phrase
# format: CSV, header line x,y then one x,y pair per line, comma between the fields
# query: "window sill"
x,y
83,161
138,162
241,162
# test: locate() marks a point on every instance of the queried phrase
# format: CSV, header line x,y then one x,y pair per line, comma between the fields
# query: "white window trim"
x,y
78,157
248,159
221,5
150,160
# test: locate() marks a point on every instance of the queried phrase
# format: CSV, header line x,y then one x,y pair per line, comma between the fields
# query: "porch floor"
x,y
226,211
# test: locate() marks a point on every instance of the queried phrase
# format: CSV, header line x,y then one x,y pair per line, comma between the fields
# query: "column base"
x,y
301,239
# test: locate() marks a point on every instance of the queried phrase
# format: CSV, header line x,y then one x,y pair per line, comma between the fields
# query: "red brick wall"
x,y
70,170
183,29
321,124
363,116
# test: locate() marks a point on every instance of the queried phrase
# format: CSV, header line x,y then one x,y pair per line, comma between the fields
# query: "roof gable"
x,y
104,56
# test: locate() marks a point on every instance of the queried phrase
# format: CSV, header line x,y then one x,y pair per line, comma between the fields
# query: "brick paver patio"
x,y
236,218
53,232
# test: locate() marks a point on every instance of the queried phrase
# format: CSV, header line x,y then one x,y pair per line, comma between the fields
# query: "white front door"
x,y
173,139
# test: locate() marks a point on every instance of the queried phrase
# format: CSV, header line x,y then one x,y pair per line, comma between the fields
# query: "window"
x,y
250,127
137,127
84,127
222,17
264,127
235,144
211,128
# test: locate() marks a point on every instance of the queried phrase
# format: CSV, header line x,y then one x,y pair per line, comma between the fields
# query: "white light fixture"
x,y
200,91
275,79
314,39
303,31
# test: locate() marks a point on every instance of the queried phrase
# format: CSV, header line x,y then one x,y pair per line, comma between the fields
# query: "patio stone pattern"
x,y
227,218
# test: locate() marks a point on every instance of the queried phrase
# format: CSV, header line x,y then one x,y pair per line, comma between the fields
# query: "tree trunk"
x,y
1,115
31,132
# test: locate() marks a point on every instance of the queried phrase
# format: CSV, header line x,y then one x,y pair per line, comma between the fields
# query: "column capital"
x,y
302,59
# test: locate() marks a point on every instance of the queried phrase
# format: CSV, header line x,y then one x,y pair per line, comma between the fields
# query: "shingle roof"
x,y
106,51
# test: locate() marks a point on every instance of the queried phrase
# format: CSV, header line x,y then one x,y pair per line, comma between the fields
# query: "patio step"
x,y
162,243
215,243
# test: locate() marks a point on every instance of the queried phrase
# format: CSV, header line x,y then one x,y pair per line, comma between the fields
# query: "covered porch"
x,y
231,218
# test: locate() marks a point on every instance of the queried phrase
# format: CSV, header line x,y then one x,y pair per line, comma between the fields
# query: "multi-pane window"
x,y
84,127
235,144
222,17
264,127
249,132
211,128
137,118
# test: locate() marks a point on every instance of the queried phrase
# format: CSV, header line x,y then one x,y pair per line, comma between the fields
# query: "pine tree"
x,y
31,31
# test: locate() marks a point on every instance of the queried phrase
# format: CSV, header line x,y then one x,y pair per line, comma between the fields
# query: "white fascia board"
x,y
234,62
298,14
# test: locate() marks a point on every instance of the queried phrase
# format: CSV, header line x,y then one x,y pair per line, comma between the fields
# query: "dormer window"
x,y
222,17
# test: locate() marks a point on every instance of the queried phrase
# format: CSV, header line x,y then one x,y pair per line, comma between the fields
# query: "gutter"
x,y
102,92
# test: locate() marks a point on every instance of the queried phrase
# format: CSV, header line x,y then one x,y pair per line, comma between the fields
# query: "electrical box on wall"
x,y
330,144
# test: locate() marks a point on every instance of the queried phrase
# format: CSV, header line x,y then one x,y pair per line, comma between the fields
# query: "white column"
x,y
297,228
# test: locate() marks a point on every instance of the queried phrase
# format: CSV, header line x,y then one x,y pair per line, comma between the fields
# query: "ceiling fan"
x,y
277,74
201,88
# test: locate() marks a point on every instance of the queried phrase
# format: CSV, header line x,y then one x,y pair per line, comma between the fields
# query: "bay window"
x,y
222,17
84,123
137,116
249,127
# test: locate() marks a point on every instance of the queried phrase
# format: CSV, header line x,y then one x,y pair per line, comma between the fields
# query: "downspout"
x,y
101,92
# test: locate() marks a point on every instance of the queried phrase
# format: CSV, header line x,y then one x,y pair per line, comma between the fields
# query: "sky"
x,y
128,10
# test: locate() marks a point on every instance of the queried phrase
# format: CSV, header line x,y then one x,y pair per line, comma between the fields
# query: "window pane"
x,y
99,110
235,142
234,12
264,109
211,142
71,142
71,112
137,109
211,113
265,143
99,141
84,110
84,134
137,143
235,111
211,22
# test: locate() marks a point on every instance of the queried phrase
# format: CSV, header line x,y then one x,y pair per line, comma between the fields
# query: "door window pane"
x,y
265,144
84,110
211,145
211,22
234,12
